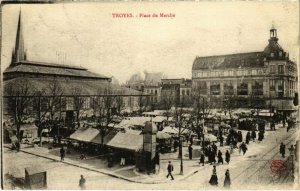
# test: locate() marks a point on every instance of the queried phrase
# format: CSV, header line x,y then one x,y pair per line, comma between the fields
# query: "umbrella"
x,y
162,135
209,137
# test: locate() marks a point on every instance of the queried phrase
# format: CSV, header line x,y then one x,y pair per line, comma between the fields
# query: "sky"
x,y
89,36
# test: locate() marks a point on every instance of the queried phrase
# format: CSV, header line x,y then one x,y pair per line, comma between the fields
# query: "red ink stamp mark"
x,y
277,166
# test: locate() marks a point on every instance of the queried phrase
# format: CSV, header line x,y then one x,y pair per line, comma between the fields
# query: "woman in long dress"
x,y
214,178
227,181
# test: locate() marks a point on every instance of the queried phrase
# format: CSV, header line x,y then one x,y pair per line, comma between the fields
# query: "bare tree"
x,y
54,103
201,109
229,104
18,102
120,104
78,102
168,101
180,122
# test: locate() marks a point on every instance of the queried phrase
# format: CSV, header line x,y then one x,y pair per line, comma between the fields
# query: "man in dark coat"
x,y
227,181
244,148
273,126
202,158
282,150
220,158
175,145
248,136
227,156
62,154
215,148
253,135
240,136
170,168
190,152
212,156
221,141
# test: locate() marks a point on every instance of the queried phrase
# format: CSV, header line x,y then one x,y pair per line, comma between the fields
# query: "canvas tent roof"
x,y
85,134
139,121
106,139
128,141
159,119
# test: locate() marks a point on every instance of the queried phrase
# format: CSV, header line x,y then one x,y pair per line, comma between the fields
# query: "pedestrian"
x,y
227,157
82,156
231,148
175,145
244,148
227,181
240,136
220,158
292,150
62,154
170,168
288,126
240,149
248,136
122,162
215,148
221,141
282,150
260,135
214,178
190,152
202,158
82,182
213,156
191,140
272,126
253,135
214,171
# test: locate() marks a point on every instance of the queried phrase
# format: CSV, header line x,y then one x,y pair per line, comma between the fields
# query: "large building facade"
x,y
267,78
176,92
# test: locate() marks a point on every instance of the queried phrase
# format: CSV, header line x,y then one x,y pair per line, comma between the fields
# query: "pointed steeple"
x,y
19,53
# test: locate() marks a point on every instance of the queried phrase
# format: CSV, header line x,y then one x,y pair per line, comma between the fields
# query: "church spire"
x,y
19,53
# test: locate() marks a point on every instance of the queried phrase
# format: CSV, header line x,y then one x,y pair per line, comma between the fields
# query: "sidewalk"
x,y
127,173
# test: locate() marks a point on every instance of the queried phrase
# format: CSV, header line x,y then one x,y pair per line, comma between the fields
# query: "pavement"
x,y
193,172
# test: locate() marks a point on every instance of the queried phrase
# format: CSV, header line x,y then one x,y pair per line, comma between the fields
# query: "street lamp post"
x,y
180,148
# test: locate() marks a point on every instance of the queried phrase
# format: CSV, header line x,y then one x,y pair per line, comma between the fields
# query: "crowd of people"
x,y
210,154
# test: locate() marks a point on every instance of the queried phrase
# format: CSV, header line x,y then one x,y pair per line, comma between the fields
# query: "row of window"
x,y
230,73
280,69
151,91
242,87
185,92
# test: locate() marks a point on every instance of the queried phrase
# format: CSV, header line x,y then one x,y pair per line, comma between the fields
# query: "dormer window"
x,y
280,53
272,54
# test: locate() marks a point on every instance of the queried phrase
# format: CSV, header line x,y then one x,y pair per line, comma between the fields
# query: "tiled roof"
x,y
153,78
252,59
51,69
